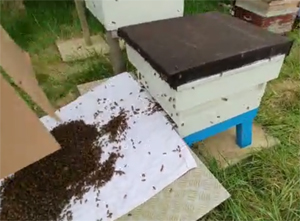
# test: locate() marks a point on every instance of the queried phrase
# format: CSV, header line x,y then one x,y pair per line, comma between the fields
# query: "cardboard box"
x,y
24,139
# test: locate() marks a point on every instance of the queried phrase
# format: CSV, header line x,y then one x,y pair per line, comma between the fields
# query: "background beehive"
x,y
267,8
275,16
111,13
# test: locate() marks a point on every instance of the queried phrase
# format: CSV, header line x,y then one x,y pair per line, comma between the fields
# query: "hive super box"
x,y
114,14
208,71
274,16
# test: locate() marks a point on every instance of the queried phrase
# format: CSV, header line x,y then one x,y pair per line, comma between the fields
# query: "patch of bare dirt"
x,y
286,85
49,62
286,92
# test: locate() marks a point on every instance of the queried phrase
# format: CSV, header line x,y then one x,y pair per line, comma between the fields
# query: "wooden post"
x,y
115,53
84,25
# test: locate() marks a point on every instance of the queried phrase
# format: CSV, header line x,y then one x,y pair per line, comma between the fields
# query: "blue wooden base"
x,y
243,125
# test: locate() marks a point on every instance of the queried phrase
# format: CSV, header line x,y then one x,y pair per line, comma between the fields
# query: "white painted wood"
x,y
246,97
230,72
158,88
217,111
95,7
230,82
114,14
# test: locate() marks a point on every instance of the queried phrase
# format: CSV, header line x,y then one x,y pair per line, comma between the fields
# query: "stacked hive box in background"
x,y
114,14
207,82
276,16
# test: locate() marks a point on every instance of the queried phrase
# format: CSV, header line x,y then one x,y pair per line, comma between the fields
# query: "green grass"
x,y
196,6
36,32
263,187
267,185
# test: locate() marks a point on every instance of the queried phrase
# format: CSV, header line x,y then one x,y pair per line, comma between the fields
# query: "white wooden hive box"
x,y
114,14
197,74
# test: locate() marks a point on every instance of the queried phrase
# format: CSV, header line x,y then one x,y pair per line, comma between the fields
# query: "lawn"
x,y
265,186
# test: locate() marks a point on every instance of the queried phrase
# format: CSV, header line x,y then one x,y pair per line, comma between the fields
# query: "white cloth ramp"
x,y
150,133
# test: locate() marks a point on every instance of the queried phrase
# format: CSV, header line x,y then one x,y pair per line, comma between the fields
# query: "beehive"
x,y
114,14
275,16
208,71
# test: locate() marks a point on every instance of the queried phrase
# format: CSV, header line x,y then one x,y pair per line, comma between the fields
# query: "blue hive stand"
x,y
242,122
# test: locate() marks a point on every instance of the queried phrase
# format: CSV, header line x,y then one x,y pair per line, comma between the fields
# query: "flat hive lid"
x,y
192,47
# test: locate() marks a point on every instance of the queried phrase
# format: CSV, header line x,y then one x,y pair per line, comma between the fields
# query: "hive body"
x,y
210,101
114,14
207,82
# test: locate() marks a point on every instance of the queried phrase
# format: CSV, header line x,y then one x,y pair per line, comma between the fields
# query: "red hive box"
x,y
275,16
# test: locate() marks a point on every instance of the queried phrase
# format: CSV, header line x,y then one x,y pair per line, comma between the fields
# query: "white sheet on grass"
x,y
155,135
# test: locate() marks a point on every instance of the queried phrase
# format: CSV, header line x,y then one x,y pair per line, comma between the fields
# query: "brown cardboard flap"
x,y
17,65
24,139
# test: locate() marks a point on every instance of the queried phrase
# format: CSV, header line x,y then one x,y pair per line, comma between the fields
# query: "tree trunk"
x,y
80,7
115,53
